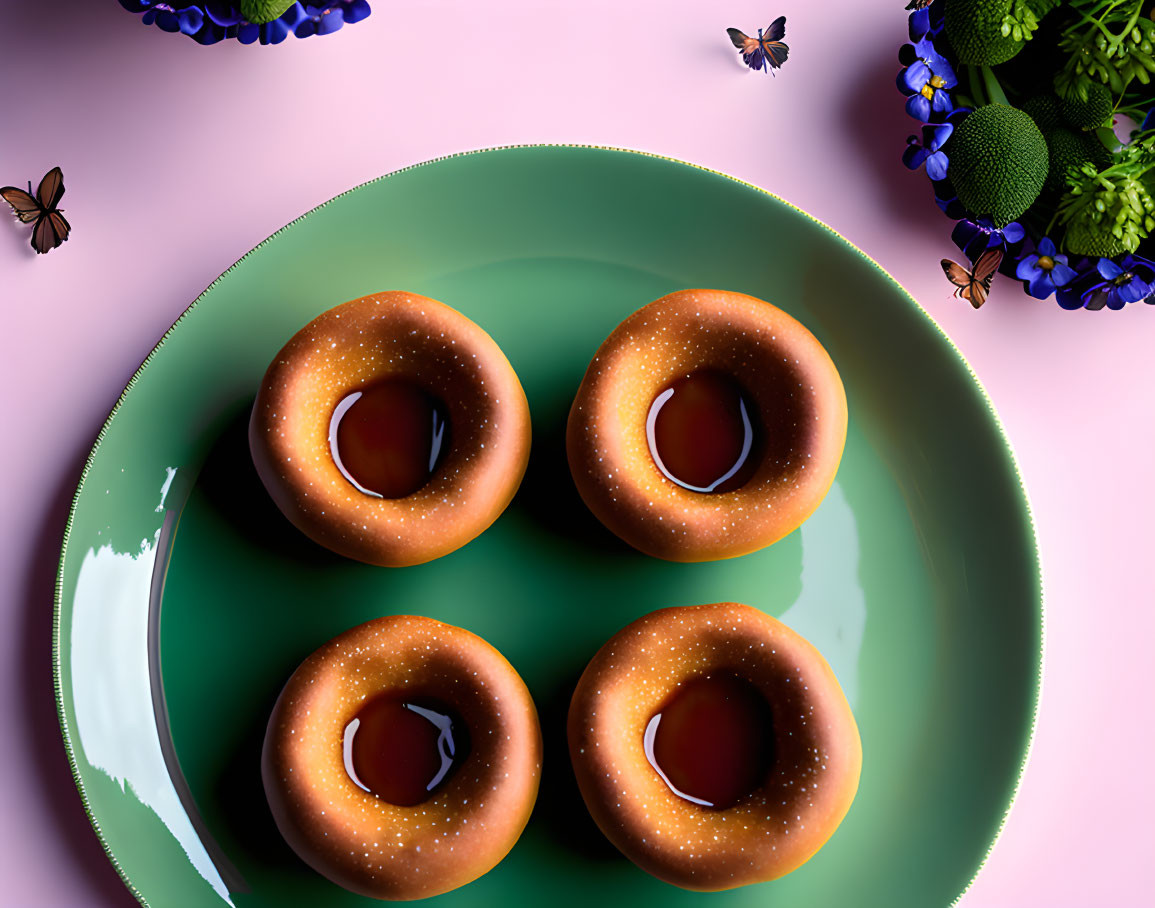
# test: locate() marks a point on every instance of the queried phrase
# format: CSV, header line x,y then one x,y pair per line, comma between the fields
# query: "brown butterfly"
x,y
973,286
766,52
51,229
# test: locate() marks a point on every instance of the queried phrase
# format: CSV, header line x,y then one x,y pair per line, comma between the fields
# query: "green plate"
x,y
185,599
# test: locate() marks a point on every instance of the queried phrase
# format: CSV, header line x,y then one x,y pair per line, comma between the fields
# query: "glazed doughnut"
x,y
391,429
708,425
713,746
402,758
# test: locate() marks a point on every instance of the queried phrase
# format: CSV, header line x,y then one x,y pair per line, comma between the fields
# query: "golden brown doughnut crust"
x,y
362,842
771,831
793,384
357,343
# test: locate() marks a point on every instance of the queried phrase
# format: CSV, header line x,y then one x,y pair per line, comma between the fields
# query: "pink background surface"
x,y
178,159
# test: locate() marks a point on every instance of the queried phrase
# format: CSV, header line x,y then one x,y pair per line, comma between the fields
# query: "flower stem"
x,y
994,89
976,87
1107,33
1130,25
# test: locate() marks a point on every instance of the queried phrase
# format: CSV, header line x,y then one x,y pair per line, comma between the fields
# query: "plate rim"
x,y
1040,590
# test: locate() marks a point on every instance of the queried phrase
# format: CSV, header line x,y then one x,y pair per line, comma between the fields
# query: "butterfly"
x,y
973,286
918,4
51,229
767,52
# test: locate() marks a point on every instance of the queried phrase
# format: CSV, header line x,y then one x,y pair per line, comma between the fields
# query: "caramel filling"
x,y
712,742
402,749
703,432
388,438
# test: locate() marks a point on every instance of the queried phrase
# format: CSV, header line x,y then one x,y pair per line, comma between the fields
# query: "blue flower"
x,y
1070,295
328,18
929,150
925,80
927,21
215,20
947,199
1112,284
1148,121
223,14
271,32
188,21
975,237
1044,271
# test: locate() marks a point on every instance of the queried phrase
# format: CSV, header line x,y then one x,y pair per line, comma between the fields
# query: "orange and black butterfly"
x,y
50,229
973,286
767,52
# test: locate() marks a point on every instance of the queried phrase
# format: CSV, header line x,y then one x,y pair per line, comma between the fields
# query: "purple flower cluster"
x,y
1044,271
927,75
927,80
1102,282
210,22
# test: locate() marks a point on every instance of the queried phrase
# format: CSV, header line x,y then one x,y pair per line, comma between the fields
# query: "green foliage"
x,y
1057,155
1147,246
998,161
1088,112
261,11
1020,23
1084,238
1110,211
1023,19
975,29
1110,43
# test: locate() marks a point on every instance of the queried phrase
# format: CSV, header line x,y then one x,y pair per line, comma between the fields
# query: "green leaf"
x,y
1106,135
260,11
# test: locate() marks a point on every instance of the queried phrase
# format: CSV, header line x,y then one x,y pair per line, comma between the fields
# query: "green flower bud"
x,y
998,162
975,29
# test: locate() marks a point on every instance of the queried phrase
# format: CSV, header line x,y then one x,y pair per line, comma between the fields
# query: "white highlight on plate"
x,y
830,611
171,474
112,697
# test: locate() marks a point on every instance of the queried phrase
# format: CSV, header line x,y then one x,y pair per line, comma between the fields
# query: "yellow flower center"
x,y
927,92
937,81
1046,262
